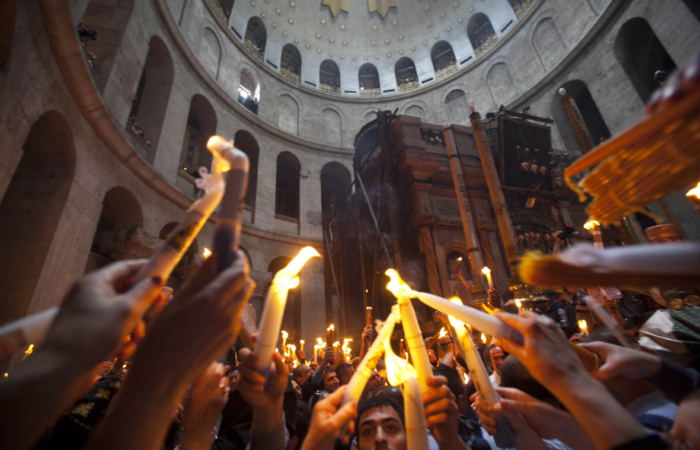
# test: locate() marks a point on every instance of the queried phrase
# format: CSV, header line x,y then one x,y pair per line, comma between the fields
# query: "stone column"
x,y
583,137
505,227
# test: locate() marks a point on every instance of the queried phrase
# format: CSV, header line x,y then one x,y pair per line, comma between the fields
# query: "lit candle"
x,y
301,345
594,227
483,338
347,350
504,435
400,372
412,331
368,316
329,333
486,271
285,335
519,305
583,326
275,303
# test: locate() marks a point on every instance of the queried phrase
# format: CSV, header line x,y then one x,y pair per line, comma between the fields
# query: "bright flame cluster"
x,y
695,192
397,286
591,225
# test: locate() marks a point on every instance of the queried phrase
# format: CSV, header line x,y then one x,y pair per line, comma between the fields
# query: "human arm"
x,y
525,435
317,376
552,361
366,340
193,330
328,419
442,413
95,318
208,396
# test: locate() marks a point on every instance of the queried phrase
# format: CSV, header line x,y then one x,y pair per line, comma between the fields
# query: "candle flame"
x,y
295,265
695,192
483,338
332,327
443,333
206,253
396,368
30,350
518,303
459,259
302,342
6,375
369,308
454,321
397,286
591,225
295,364
213,140
466,378
347,350
294,282
285,335
583,325
486,270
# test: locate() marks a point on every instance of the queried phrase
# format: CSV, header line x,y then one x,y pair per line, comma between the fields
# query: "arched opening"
x,y
190,262
369,81
201,125
256,37
121,214
287,186
150,102
249,90
100,31
458,265
642,56
291,320
457,109
290,66
209,53
443,58
481,34
521,6
592,117
329,76
406,75
7,29
224,7
31,210
247,143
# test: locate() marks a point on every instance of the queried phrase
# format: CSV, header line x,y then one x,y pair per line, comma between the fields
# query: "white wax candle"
x,y
486,271
275,302
415,342
416,425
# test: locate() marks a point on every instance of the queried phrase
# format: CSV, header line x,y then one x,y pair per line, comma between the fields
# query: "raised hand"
x,y
208,396
327,421
252,385
441,413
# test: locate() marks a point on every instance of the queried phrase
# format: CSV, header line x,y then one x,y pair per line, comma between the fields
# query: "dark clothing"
x,y
645,443
675,381
565,316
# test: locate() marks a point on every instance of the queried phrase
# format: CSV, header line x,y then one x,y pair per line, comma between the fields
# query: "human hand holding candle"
x,y
368,316
275,303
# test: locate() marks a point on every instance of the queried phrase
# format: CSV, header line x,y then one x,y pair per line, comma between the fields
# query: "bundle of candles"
x,y
226,157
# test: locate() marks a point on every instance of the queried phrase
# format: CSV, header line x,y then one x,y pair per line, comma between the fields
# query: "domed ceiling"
x,y
354,32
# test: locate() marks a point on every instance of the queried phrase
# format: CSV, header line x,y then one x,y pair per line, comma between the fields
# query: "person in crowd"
x,y
495,355
300,375
564,315
344,372
331,383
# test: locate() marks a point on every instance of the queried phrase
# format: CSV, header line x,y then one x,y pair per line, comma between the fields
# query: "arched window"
x,y
329,77
249,90
100,31
224,7
457,109
31,210
287,186
201,125
369,81
151,98
406,76
444,61
247,143
592,117
481,34
256,37
521,6
458,265
290,67
644,59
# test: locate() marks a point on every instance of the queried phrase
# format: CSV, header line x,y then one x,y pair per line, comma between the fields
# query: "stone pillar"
x,y
583,137
505,227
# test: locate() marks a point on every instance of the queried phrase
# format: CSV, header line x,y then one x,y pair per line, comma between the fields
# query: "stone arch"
x,y
443,58
210,52
641,54
246,142
456,105
548,43
335,181
109,20
150,102
290,65
121,212
329,77
370,115
332,126
481,33
368,77
500,84
592,117
415,110
255,39
201,125
406,75
31,210
7,29
288,114
287,185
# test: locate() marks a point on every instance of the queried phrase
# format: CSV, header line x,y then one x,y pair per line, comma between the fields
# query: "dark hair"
x,y
302,421
343,369
374,403
454,381
486,356
297,372
515,375
390,391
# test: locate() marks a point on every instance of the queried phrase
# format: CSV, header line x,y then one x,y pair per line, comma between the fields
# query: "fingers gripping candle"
x,y
275,302
414,337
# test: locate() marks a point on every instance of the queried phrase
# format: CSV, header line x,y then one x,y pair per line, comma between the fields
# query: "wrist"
x,y
266,418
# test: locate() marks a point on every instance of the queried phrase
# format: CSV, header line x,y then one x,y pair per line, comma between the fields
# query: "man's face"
x,y
306,373
381,429
346,378
497,359
330,382
313,366
375,381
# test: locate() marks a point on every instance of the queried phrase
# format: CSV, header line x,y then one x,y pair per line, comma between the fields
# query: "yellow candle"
x,y
486,271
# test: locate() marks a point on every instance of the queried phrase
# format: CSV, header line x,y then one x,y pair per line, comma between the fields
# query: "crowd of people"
x,y
123,368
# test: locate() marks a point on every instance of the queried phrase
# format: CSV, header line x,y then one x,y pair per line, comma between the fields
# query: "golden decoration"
x,y
381,6
337,5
